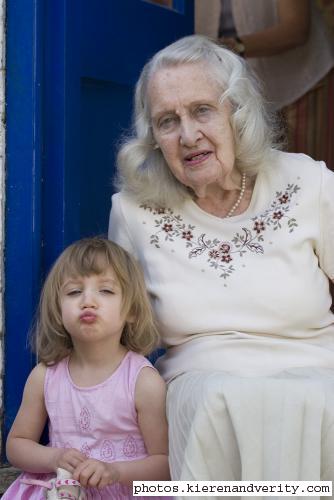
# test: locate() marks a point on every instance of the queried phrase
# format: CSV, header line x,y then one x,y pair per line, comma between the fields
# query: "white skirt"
x,y
228,428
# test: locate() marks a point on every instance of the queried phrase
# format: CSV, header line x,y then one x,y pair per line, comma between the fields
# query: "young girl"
x,y
104,401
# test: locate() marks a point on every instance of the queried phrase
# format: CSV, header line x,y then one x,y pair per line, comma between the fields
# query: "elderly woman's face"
x,y
190,126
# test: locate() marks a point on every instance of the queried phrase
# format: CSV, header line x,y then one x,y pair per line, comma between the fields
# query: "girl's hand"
x,y
96,474
68,459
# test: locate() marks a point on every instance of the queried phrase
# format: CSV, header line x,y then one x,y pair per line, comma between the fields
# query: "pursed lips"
x,y
88,317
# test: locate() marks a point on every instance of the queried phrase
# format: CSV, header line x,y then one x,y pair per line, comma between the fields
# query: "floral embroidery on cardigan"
x,y
222,254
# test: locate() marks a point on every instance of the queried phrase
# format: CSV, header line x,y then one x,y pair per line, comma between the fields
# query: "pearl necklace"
x,y
241,195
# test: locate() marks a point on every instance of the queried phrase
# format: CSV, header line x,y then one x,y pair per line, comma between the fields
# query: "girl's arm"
x,y
23,448
291,30
151,407
150,398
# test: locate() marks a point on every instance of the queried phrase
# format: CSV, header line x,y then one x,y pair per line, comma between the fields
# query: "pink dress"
x,y
100,421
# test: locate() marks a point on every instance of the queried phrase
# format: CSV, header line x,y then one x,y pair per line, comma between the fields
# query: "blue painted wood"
x,y
95,58
23,192
179,6
129,33
61,146
72,65
107,104
147,27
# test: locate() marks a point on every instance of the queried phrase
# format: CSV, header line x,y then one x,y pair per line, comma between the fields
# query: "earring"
x,y
156,146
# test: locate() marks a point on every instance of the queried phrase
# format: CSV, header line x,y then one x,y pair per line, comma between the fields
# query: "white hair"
x,y
142,169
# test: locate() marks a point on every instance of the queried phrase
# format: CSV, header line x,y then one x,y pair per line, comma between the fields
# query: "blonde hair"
x,y
142,169
86,257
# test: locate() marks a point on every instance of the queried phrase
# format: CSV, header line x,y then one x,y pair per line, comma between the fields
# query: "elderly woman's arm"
x,y
291,30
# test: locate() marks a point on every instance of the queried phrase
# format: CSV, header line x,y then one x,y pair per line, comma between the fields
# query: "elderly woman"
x,y
236,241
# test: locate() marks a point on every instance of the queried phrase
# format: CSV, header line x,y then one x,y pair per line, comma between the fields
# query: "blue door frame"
x,y
35,221
66,104
23,192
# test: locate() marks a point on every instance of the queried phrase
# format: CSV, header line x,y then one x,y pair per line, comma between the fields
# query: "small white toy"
x,y
62,486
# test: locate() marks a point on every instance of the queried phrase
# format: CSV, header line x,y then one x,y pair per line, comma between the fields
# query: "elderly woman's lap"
x,y
224,427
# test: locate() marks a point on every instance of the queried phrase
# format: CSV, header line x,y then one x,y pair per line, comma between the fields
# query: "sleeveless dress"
x,y
243,306
100,421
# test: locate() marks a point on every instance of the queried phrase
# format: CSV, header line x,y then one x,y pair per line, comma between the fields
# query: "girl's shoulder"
x,y
36,380
134,372
138,359
38,371
134,363
55,374
150,386
145,373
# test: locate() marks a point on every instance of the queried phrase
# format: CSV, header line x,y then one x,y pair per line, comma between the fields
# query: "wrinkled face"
x,y
190,125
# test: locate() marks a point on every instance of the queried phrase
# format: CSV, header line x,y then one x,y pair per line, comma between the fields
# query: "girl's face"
x,y
91,308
